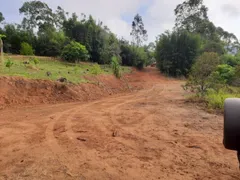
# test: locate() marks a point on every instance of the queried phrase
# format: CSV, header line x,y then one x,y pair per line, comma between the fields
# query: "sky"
x,y
158,15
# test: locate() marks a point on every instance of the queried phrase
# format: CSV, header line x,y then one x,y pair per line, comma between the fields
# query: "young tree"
x,y
201,73
139,34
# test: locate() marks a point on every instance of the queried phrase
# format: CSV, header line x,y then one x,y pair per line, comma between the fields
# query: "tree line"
x,y
45,32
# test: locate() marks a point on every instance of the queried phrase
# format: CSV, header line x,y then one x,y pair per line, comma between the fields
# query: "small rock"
x,y
81,139
62,79
48,73
205,117
114,134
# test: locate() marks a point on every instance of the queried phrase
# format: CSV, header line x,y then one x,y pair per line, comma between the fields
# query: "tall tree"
x,y
139,34
190,13
36,13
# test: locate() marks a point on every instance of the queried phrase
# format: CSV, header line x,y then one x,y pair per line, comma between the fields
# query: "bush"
x,y
176,52
201,77
26,49
9,63
34,60
215,99
224,74
75,52
230,60
116,67
96,69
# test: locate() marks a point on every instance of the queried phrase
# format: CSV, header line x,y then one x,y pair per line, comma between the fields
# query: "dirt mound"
x,y
18,91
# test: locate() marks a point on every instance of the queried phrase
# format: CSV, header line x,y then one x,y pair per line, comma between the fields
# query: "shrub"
x,y
176,52
201,78
215,99
96,69
224,74
34,60
9,63
116,67
230,60
26,49
75,52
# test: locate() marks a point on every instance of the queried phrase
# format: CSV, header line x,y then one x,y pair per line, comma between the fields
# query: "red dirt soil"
x,y
146,134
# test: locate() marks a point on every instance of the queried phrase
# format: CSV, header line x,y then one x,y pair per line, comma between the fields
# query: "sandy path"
x,y
148,134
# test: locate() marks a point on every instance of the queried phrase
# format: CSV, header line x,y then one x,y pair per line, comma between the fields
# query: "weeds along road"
x,y
148,134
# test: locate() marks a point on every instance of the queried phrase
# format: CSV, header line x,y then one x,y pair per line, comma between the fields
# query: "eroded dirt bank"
x,y
147,134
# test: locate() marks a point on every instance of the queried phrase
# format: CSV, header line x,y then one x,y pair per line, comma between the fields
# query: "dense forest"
x,y
195,48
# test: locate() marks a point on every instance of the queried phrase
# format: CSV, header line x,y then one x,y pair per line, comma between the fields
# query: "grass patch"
x,y
57,69
215,100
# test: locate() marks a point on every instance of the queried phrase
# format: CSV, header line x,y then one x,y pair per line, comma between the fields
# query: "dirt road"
x,y
148,134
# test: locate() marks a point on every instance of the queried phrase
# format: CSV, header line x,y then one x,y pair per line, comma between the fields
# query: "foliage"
x,y
1,17
132,55
75,52
34,60
213,46
9,63
224,74
230,60
200,79
26,49
96,69
116,67
215,99
139,34
192,15
176,51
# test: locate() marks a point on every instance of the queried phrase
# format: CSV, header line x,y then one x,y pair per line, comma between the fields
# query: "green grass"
x,y
215,100
73,72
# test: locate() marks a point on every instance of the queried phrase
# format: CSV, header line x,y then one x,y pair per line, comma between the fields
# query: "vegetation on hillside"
x,y
54,33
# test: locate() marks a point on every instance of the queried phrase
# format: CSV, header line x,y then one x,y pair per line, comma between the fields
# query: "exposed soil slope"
x,y
17,90
147,134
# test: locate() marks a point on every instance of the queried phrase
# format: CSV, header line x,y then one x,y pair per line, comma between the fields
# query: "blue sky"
x,y
158,15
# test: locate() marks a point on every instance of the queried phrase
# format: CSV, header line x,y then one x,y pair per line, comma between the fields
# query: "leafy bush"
x,y
230,60
176,52
116,67
224,74
34,60
201,78
96,69
9,63
75,52
26,49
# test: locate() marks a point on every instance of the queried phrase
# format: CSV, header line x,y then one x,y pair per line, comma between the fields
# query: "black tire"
x,y
232,124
